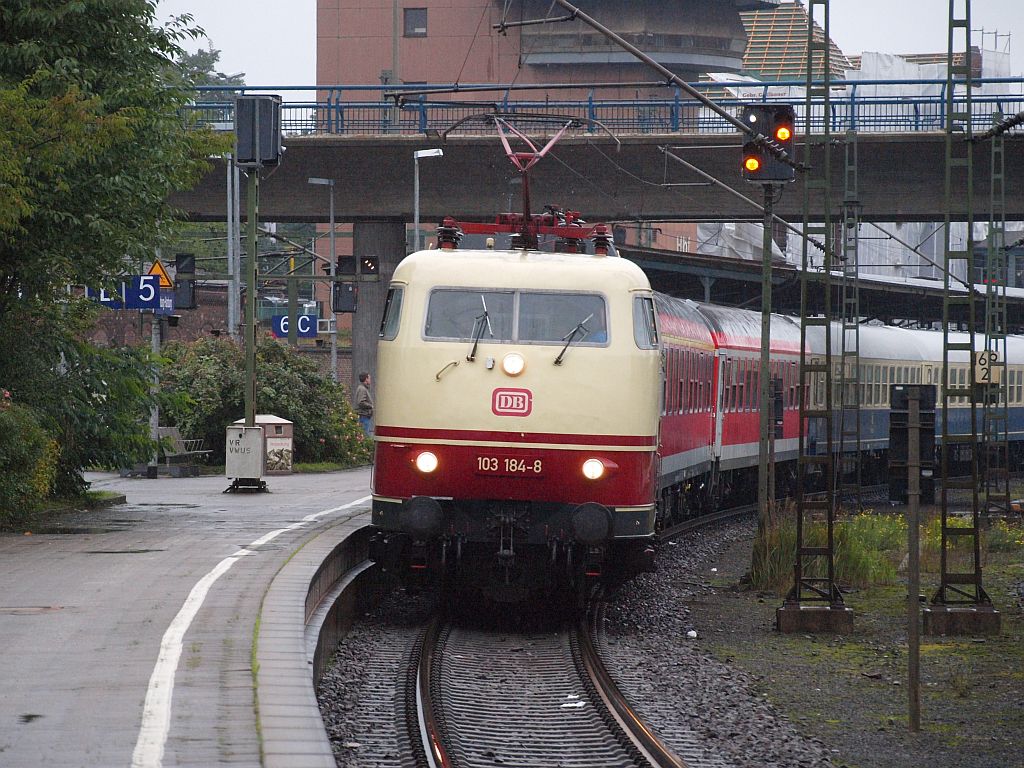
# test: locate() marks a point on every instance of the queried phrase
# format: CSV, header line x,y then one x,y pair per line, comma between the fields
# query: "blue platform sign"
x,y
137,292
306,326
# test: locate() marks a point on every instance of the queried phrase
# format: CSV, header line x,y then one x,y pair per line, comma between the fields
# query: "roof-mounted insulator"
x,y
567,245
448,234
602,242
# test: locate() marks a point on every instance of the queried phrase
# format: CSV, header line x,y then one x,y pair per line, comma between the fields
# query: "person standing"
x,y
364,403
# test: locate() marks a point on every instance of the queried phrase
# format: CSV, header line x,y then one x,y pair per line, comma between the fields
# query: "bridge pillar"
x,y
384,240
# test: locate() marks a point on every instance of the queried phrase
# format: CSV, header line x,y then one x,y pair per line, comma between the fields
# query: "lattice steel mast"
x,y
959,439
850,385
817,416
995,417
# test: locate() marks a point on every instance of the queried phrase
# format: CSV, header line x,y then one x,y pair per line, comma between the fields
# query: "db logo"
x,y
511,402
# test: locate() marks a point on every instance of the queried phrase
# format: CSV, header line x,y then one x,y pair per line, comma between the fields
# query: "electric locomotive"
x,y
517,417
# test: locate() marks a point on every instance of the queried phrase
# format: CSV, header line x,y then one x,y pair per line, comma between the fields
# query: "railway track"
x,y
486,698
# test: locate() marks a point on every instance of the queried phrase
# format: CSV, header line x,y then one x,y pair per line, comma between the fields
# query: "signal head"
x,y
783,133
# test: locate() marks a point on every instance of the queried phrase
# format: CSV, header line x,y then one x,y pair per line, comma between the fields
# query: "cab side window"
x,y
645,326
392,314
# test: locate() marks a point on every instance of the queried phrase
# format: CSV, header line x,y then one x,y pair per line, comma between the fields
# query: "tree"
x,y
91,145
200,68
204,384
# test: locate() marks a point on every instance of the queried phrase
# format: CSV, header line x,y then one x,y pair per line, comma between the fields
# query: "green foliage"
x,y
92,144
27,463
868,549
93,402
207,379
1004,537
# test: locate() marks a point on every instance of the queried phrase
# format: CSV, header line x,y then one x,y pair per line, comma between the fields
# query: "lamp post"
x,y
331,267
416,191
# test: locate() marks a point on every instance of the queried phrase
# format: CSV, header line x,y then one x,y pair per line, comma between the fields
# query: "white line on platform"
x,y
156,712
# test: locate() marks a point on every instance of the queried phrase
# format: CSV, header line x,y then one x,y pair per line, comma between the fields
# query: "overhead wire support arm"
x,y
503,25
671,78
1000,128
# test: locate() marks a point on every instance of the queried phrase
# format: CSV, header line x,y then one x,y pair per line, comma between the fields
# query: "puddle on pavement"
x,y
121,551
71,530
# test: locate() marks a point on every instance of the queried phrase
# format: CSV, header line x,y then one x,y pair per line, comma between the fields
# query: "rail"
x,y
650,746
889,106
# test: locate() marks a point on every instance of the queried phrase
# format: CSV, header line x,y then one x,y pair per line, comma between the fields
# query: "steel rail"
x,y
430,730
647,743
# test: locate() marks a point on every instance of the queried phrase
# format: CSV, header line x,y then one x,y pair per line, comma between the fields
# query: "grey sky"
x,y
274,43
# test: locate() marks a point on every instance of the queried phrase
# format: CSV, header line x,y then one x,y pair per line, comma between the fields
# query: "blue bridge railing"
x,y
861,105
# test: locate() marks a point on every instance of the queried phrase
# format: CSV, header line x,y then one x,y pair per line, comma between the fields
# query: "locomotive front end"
x,y
517,418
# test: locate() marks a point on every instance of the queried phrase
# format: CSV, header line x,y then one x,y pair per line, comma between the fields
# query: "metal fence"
x,y
865,105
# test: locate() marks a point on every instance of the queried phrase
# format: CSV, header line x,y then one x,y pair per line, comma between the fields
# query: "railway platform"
x,y
129,631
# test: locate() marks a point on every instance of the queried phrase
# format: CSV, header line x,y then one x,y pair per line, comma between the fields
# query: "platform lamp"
x,y
437,152
332,266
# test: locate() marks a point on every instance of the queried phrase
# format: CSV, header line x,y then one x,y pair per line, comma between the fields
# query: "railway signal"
x,y
775,123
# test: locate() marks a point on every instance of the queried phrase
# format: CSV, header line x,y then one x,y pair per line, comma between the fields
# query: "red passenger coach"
x,y
737,338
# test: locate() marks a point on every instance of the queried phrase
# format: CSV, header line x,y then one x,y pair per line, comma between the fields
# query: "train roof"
x,y
734,328
681,318
521,268
879,342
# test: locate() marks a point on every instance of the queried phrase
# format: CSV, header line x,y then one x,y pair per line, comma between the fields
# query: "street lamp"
x,y
331,267
416,191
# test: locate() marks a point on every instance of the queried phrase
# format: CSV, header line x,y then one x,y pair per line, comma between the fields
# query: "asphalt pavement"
x,y
127,632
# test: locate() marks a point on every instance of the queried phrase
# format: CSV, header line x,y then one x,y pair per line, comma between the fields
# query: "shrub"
x,y
203,392
28,464
1003,537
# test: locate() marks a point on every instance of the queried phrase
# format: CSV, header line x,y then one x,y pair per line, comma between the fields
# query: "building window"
x,y
415,22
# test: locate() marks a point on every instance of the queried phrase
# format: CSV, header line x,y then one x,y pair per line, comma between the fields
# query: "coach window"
x,y
645,328
415,22
1020,386
460,313
392,314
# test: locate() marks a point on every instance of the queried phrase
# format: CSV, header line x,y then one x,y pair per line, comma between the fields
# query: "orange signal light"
x,y
751,163
783,133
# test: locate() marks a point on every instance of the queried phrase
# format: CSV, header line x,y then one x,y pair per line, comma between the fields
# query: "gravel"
x,y
709,712
699,658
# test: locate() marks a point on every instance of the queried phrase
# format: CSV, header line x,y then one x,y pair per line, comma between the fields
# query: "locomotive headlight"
x,y
426,462
593,469
513,364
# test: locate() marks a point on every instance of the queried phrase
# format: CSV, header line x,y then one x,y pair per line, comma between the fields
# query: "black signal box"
x,y
777,123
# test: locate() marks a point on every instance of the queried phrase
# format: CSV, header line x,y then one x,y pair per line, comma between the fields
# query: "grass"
x,y
869,548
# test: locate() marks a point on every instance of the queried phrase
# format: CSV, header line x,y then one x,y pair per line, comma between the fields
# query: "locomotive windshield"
x,y
525,316
453,314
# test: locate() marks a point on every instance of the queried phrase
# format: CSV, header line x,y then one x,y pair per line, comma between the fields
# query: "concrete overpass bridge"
x,y
365,142
900,179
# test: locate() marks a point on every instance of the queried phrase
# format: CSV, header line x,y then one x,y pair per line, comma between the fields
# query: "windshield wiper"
x,y
570,337
479,323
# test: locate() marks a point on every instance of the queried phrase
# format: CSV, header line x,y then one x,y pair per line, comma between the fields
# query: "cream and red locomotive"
x,y
539,413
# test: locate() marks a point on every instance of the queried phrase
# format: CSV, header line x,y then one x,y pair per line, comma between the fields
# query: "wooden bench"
x,y
179,452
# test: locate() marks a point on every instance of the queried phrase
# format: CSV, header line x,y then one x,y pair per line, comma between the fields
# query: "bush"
x,y
203,392
28,464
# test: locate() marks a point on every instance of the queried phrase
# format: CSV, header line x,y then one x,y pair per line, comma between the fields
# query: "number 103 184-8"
x,y
509,465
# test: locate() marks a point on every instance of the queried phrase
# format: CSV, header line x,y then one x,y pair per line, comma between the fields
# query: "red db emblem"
x,y
511,402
